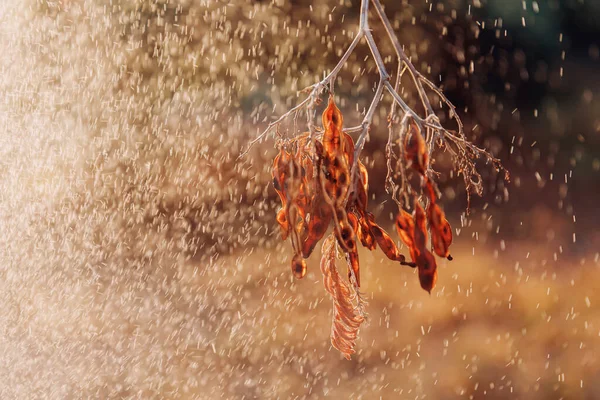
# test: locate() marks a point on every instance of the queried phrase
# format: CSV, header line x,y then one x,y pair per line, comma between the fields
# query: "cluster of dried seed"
x,y
318,189
320,183
413,229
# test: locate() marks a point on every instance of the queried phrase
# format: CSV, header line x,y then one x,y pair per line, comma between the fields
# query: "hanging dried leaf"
x,y
347,317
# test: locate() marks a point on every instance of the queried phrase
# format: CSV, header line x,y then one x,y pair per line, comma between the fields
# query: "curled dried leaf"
x,y
347,317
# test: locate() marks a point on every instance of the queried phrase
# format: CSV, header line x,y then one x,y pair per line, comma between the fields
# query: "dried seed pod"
x,y
415,148
406,228
427,268
348,148
298,266
335,174
279,182
283,223
365,235
362,230
413,232
342,180
343,231
423,258
441,232
353,220
385,242
296,228
332,124
320,218
362,188
420,226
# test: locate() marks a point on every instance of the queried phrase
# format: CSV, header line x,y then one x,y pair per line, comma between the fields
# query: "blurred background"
x,y
140,258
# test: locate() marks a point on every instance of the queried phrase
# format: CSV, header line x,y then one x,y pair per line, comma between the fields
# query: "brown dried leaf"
x,y
347,317
441,232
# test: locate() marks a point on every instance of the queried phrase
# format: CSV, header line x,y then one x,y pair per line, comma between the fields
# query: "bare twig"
x,y
463,151
418,134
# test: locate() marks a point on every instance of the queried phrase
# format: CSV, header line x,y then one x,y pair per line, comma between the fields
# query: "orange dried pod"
x,y
330,167
362,195
279,178
298,266
385,242
348,148
283,223
406,228
420,224
413,232
344,232
353,220
320,217
278,172
365,235
416,149
332,124
424,258
430,192
427,268
441,232
295,231
342,180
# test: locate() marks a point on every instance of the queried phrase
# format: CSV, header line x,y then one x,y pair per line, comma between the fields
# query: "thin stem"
x,y
463,152
364,15
357,128
377,56
418,120
402,55
366,124
272,125
344,58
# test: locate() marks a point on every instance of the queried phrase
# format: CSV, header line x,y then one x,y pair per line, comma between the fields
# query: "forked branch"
x,y
436,135
321,181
